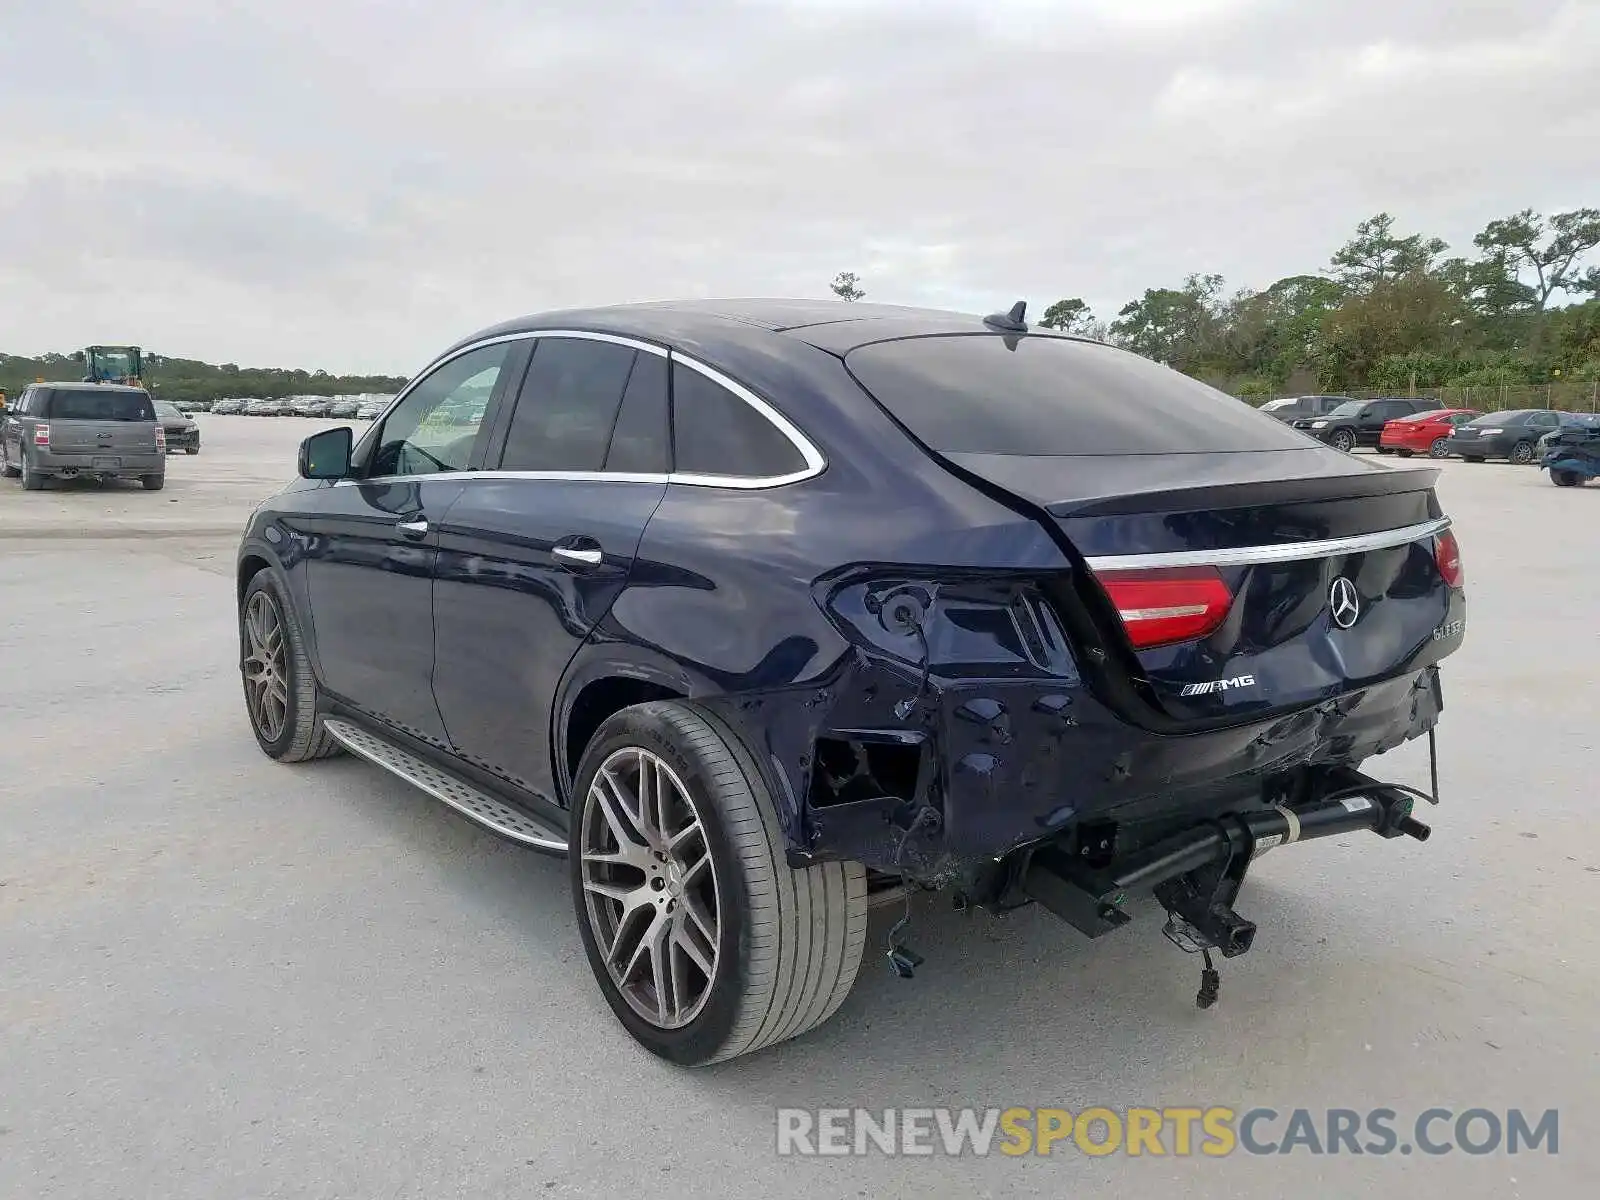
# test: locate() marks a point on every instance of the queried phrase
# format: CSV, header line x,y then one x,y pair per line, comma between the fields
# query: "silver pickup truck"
x,y
99,430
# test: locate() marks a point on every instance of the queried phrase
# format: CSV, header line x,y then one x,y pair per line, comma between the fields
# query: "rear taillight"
x,y
41,435
1448,555
161,438
1166,605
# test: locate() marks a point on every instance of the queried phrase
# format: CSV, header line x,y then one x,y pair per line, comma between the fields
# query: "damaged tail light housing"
x,y
1447,555
1163,606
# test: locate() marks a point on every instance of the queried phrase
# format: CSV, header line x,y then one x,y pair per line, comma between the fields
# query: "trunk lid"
x,y
1239,569
104,421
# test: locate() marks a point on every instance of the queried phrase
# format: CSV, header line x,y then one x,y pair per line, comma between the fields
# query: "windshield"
x,y
100,406
1349,408
1275,405
986,394
163,409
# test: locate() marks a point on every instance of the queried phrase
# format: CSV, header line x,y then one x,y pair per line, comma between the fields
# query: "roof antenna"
x,y
1011,321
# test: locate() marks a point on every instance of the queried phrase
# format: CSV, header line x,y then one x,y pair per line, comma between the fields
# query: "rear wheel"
x,y
32,481
1344,440
280,693
1522,453
704,941
153,483
1439,448
1565,478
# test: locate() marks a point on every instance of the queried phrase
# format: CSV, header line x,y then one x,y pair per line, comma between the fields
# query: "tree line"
x,y
188,379
1391,311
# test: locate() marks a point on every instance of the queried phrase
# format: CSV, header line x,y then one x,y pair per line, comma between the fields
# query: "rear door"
x,y
539,546
1230,548
103,422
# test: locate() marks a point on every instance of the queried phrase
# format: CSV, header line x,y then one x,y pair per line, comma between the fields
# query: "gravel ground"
x,y
220,976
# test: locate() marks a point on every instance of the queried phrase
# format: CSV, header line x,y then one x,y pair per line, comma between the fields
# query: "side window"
x,y
640,443
714,432
1545,420
434,427
567,406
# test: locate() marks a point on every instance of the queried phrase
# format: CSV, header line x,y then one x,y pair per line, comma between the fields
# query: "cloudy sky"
x,y
352,183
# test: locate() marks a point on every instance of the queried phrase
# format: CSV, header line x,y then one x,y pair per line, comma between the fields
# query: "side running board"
x,y
470,801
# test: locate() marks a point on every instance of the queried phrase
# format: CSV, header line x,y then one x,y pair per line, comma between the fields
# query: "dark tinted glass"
x,y
88,405
1050,396
567,406
639,442
716,433
1348,409
1515,417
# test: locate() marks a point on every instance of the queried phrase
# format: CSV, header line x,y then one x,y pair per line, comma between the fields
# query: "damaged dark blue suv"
x,y
761,612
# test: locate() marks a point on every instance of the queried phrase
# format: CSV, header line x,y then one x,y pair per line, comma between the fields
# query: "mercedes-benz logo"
x,y
1343,603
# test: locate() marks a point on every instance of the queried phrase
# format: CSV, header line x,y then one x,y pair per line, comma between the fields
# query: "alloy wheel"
x,y
650,887
1438,449
266,680
1343,441
1522,453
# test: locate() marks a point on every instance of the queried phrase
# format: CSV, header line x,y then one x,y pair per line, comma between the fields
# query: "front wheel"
x,y
280,693
1439,449
1565,478
1344,440
1522,453
704,941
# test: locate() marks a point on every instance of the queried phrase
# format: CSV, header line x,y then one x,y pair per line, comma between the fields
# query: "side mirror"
x,y
326,455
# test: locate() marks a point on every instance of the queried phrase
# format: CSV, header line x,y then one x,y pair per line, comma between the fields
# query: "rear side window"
x,y
85,405
715,432
567,406
988,394
640,440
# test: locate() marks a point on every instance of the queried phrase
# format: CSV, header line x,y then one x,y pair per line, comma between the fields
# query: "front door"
x,y
371,544
534,553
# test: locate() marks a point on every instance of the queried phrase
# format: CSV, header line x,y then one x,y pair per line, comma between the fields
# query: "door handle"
x,y
415,528
571,555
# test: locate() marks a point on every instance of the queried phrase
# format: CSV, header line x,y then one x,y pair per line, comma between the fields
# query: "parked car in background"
x,y
1513,436
310,406
1360,422
188,406
1296,408
344,408
180,428
266,408
1583,421
370,409
100,431
1424,432
227,407
750,611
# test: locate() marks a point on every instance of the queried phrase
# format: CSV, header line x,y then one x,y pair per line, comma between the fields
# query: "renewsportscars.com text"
x,y
1214,1132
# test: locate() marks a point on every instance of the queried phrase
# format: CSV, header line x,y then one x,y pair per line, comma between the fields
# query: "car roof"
x,y
832,325
68,385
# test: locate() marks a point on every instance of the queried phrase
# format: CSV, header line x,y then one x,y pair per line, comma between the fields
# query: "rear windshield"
x,y
1500,418
987,394
88,405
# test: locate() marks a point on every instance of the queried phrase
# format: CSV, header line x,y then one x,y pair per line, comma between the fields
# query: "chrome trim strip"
x,y
352,738
1284,552
814,460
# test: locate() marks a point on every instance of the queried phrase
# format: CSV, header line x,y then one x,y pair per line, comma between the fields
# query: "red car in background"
x,y
1423,433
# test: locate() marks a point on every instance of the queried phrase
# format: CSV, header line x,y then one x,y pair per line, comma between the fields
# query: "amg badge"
x,y
1218,685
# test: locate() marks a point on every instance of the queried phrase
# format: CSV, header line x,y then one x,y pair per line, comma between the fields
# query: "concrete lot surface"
x,y
223,977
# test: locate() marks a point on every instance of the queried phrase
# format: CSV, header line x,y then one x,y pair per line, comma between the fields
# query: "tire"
x,y
1522,453
1343,439
191,449
1565,478
153,483
1405,453
300,734
1439,448
32,481
788,943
